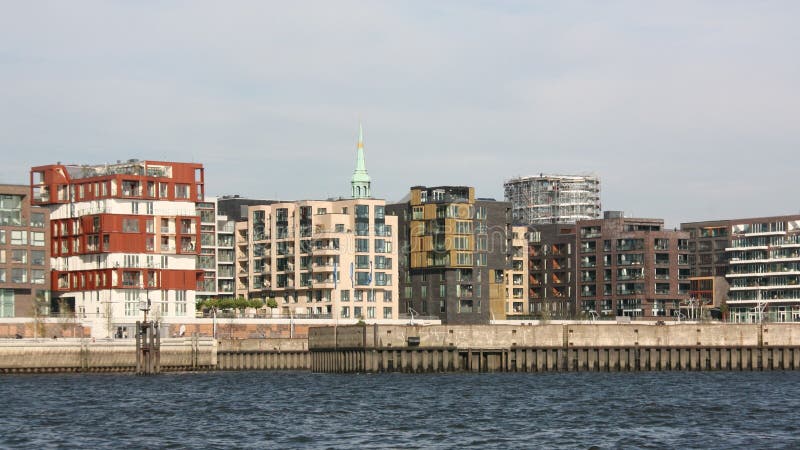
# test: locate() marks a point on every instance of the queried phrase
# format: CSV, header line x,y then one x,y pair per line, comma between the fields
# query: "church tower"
x,y
360,181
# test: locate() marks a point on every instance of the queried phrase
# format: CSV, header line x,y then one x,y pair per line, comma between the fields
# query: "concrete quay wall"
x,y
181,354
577,335
263,354
83,355
567,347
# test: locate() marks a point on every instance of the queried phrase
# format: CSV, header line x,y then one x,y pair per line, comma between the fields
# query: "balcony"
x,y
629,263
323,284
629,291
326,250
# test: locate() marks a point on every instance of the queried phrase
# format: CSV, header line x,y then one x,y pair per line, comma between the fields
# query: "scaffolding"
x,y
547,199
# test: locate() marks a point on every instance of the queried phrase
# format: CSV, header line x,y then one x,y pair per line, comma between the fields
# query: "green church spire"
x,y
360,181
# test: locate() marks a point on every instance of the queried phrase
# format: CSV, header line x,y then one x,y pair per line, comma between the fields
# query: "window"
x,y
180,303
362,245
363,278
2,275
182,191
362,211
345,312
387,312
6,303
357,312
463,227
424,292
442,290
37,276
461,243
130,278
131,303
339,228
345,294
464,259
11,210
362,228
37,220
19,275
387,296
362,261
19,256
383,279
37,238
2,236
130,225
19,237
370,312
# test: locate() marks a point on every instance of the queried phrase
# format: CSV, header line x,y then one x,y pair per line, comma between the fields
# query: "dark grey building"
x,y
453,254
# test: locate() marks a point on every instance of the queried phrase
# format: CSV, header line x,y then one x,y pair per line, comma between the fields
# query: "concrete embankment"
x,y
579,347
181,354
263,354
439,348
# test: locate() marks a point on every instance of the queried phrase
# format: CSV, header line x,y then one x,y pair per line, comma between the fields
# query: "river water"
x,y
305,410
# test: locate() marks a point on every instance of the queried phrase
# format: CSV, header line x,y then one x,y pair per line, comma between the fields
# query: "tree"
x,y
272,303
255,303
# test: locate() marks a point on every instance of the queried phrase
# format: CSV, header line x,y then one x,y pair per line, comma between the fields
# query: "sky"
x,y
686,110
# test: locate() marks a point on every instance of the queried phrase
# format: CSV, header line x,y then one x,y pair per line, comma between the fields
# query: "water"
x,y
305,410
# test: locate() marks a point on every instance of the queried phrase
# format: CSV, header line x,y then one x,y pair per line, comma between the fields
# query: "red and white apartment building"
x,y
122,236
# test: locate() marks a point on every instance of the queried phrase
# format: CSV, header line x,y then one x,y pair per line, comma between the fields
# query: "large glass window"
x,y
362,211
6,303
37,220
37,238
181,191
19,256
363,278
131,302
37,276
19,237
130,225
180,303
11,210
19,275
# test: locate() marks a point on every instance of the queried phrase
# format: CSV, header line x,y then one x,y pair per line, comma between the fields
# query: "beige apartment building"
x,y
324,259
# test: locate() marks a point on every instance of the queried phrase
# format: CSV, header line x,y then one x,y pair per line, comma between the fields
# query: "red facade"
x,y
97,232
